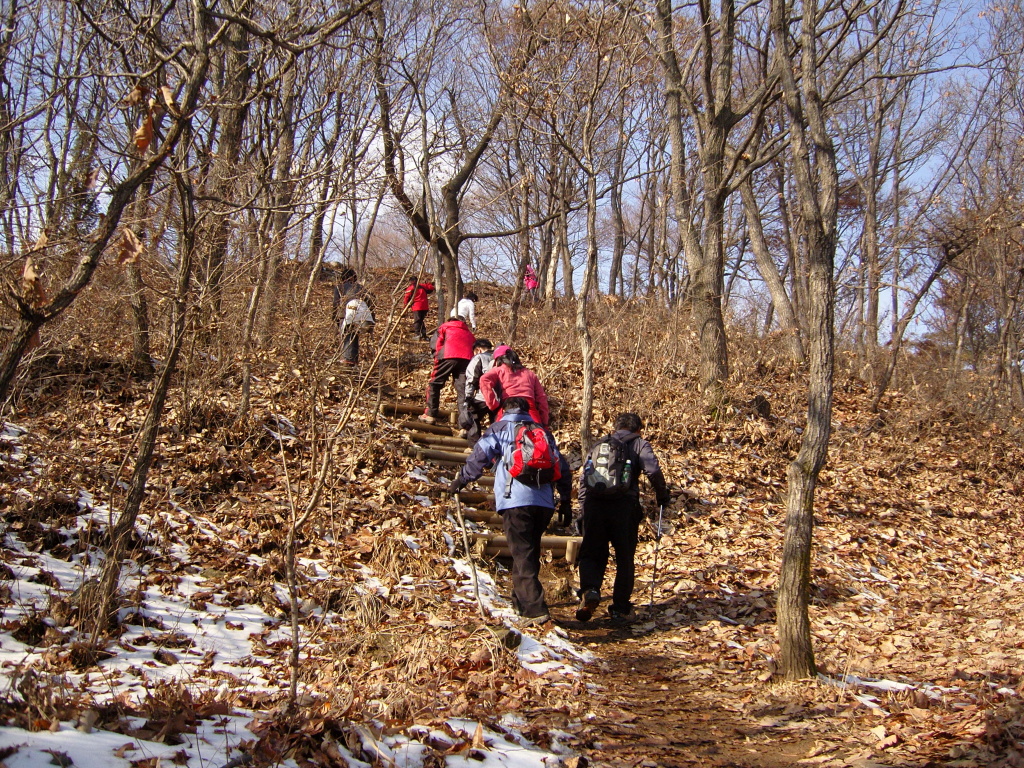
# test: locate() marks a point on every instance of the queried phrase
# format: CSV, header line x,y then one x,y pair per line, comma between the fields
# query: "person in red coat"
x,y
417,300
510,378
452,354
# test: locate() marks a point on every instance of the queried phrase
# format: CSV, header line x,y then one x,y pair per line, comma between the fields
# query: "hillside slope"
x,y
916,568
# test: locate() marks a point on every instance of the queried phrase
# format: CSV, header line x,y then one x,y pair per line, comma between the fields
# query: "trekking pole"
x,y
469,555
657,546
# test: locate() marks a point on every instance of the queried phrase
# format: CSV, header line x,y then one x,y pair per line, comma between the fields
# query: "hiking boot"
x,y
621,615
426,417
588,603
526,622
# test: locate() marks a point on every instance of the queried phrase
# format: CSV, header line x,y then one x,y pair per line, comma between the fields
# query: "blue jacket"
x,y
489,451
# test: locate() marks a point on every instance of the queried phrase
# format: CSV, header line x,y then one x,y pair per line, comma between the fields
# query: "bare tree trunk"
x,y
896,344
282,198
141,359
615,281
123,529
582,316
703,235
524,253
814,165
770,274
232,114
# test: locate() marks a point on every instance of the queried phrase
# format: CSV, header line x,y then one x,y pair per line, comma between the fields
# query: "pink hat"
x,y
501,350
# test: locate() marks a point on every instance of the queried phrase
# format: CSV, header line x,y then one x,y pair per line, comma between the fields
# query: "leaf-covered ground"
x,y
916,566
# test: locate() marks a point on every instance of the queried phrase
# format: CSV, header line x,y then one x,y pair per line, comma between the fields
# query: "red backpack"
x,y
532,458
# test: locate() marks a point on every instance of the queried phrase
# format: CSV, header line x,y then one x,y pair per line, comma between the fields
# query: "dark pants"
x,y
614,522
419,326
350,346
472,419
523,528
450,367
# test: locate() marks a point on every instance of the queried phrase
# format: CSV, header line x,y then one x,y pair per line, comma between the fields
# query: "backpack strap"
x,y
513,428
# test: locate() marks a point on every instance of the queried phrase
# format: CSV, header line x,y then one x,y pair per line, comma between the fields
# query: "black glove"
x,y
456,485
565,512
665,501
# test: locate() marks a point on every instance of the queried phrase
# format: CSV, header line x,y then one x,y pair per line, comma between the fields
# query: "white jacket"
x,y
466,309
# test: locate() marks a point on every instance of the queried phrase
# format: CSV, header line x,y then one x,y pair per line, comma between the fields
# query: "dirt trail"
x,y
650,708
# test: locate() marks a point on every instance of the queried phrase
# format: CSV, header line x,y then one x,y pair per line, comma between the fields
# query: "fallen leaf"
x,y
478,737
124,749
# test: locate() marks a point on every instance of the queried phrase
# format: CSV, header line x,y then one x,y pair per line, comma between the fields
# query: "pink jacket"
x,y
530,279
454,340
501,382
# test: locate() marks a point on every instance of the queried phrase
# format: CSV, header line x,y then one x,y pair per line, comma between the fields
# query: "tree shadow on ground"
x,y
737,605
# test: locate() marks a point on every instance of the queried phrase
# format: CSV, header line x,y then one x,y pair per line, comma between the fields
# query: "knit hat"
x,y
501,350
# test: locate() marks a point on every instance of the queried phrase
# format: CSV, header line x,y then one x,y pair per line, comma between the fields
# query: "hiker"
x,y
526,508
510,378
530,282
609,494
417,299
352,312
452,354
467,309
476,410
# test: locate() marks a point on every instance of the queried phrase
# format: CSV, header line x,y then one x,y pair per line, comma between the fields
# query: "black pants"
x,y
523,528
350,346
614,522
419,327
472,419
450,367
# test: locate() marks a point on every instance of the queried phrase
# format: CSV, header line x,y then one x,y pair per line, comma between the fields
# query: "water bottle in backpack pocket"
x,y
609,468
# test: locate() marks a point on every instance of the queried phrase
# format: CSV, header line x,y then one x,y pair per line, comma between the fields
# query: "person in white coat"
x,y
466,309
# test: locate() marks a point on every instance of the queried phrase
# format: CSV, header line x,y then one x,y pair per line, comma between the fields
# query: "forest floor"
x,y
917,571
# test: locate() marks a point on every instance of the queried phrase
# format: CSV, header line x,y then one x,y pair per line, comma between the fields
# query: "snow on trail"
x,y
188,632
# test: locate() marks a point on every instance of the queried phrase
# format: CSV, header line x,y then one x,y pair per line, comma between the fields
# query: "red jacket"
x,y
502,382
454,340
416,296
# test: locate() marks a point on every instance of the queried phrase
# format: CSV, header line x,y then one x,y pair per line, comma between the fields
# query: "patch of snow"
x,y
212,745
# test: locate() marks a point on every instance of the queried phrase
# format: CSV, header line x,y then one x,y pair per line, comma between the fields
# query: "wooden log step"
x,y
415,425
444,418
482,516
475,498
443,463
546,542
505,552
451,457
572,551
440,441
412,409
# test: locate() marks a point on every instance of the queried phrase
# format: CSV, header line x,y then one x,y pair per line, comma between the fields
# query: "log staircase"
x,y
440,445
